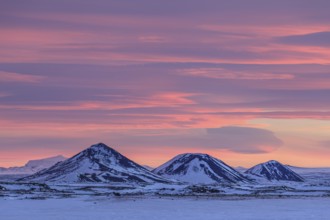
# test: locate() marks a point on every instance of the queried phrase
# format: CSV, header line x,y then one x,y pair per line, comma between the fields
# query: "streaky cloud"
x,y
18,77
320,39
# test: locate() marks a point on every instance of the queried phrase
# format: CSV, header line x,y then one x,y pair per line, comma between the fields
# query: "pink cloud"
x,y
18,77
152,39
266,30
220,73
172,99
4,94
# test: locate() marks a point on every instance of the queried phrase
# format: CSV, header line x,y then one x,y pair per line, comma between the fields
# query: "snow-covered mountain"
x,y
32,166
199,168
273,170
98,163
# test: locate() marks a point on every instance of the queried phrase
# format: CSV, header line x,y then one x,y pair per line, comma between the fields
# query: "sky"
x,y
244,81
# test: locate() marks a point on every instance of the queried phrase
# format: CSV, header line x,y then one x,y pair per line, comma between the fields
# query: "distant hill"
x,y
32,166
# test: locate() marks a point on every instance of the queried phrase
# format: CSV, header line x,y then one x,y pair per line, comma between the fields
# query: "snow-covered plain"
x,y
164,208
265,200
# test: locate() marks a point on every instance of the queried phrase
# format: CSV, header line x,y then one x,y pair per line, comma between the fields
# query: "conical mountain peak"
x,y
98,163
100,149
274,170
274,162
199,168
100,146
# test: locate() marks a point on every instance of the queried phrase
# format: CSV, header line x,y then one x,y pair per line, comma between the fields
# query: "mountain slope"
x,y
273,170
199,168
99,163
32,166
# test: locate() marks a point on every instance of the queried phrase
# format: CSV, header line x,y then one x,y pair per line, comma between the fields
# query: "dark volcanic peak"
x,y
199,168
103,153
98,163
273,170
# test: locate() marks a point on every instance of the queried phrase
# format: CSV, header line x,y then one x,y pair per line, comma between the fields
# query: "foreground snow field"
x,y
164,208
